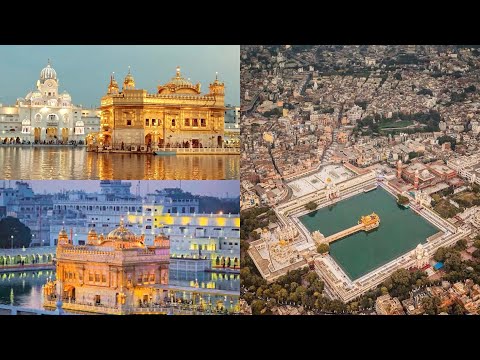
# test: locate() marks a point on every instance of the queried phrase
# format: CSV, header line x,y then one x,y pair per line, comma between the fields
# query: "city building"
x,y
232,126
386,305
46,114
177,115
170,211
116,273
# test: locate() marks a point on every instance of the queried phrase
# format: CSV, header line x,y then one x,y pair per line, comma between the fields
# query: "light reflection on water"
x,y
27,285
66,163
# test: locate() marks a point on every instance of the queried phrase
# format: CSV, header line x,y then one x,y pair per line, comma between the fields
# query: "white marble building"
x,y
45,114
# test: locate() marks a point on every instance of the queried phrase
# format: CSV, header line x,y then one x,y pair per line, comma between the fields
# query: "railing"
x,y
172,309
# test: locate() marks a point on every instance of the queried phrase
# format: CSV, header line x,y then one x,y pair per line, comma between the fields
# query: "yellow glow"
x,y
186,220
236,221
221,221
203,221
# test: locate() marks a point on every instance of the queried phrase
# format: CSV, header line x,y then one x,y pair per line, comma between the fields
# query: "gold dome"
x,y
179,85
92,237
129,82
63,237
113,86
121,234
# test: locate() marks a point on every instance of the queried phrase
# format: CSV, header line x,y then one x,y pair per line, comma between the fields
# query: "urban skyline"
x,y
213,188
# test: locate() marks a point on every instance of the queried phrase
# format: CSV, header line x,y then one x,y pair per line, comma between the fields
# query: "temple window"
x,y
139,279
147,122
173,122
195,122
153,122
90,277
129,122
203,122
187,122
104,278
152,277
97,277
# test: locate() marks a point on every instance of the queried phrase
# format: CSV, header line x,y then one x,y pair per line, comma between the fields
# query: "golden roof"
x,y
129,82
178,84
121,233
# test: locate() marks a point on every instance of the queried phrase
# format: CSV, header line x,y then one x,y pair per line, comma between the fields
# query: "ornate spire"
x,y
178,72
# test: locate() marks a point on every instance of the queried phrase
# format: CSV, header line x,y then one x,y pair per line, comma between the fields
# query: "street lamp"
x,y
11,238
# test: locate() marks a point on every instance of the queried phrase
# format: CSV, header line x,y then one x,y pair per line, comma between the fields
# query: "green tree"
x,y
413,154
257,307
311,205
11,226
440,254
323,248
430,305
461,244
476,243
446,138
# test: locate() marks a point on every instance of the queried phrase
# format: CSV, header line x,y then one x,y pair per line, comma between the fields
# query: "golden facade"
x,y
177,115
117,272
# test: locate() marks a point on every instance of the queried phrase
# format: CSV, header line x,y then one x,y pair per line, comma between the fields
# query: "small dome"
x,y
129,82
92,237
33,95
80,123
178,80
63,237
66,96
425,173
48,73
121,234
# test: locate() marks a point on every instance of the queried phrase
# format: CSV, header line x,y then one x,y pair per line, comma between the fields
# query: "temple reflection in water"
x,y
66,163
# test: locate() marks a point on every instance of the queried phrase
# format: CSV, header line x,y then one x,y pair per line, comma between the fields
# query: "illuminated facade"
x,y
117,272
45,114
168,211
177,115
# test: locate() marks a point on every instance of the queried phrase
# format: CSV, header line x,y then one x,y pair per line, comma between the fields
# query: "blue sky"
x,y
218,188
84,70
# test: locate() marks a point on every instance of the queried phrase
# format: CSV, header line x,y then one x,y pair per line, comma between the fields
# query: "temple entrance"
x,y
69,292
195,143
51,133
36,133
219,141
97,300
148,139
65,135
107,140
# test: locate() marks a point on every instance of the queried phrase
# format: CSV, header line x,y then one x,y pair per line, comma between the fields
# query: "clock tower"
x,y
48,83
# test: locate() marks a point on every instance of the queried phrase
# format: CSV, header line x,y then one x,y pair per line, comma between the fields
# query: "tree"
x,y
461,244
430,305
22,235
413,154
476,243
446,138
311,205
440,254
323,248
257,307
